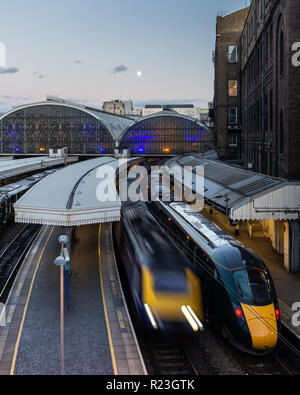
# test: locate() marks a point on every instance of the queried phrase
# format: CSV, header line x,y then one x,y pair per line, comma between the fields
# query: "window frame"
x,y
229,54
229,116
230,144
229,88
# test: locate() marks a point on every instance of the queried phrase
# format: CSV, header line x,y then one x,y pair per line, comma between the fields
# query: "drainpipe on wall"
x,y
263,91
216,97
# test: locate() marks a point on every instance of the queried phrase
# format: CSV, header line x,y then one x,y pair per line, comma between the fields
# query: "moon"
x,y
139,73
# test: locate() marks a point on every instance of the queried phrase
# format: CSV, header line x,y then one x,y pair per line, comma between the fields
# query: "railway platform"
x,y
99,338
287,285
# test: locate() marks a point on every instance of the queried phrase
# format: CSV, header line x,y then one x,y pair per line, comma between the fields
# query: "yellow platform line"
x,y
285,304
13,364
112,351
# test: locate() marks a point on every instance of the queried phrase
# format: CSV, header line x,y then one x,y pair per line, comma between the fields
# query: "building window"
x,y
232,53
232,115
232,87
232,140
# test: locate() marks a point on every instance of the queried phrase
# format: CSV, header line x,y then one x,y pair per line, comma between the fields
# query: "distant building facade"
x,y
204,115
118,107
187,110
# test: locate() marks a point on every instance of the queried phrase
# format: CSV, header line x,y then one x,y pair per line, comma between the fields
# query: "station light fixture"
x,y
63,239
60,261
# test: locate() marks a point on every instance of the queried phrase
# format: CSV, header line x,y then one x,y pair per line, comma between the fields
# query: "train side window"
x,y
216,274
196,262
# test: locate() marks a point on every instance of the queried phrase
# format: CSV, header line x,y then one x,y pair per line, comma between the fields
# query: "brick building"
x,y
268,87
271,88
227,100
257,72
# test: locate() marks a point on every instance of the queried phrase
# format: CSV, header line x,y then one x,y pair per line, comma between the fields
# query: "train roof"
x,y
152,240
218,243
215,236
22,185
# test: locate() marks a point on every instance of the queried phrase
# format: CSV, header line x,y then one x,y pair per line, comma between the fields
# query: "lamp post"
x,y
62,261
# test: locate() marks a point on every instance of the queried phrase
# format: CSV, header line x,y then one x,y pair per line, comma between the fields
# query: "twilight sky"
x,y
91,50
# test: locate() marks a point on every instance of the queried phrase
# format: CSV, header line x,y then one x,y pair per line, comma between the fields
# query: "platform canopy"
x,y
68,197
242,194
14,167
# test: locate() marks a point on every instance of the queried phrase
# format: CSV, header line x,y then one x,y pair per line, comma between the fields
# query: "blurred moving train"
x,y
10,193
239,297
164,289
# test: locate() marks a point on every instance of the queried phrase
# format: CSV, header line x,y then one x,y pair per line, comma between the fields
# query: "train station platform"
x,y
287,284
99,338
12,168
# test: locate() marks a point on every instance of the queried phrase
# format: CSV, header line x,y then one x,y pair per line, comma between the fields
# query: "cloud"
x,y
38,75
119,69
14,98
8,70
78,61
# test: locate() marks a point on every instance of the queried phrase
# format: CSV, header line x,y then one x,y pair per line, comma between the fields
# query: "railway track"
x,y
11,256
166,356
266,365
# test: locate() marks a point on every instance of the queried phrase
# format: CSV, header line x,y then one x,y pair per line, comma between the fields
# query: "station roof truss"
x,y
68,197
115,124
243,194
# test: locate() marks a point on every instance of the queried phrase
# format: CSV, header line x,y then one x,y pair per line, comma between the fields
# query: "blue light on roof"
x,y
100,149
140,150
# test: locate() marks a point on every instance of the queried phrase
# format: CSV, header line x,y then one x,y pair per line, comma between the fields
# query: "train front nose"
x,y
262,324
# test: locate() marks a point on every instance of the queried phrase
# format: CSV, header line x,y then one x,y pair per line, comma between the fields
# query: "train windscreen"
x,y
170,281
253,286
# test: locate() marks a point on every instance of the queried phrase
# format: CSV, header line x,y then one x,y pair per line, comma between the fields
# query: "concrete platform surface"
x,y
99,339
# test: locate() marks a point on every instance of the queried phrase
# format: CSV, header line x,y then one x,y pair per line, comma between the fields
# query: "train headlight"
x,y
199,323
192,318
151,317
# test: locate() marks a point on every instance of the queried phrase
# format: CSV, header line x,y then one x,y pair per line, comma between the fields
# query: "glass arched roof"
x,y
115,124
